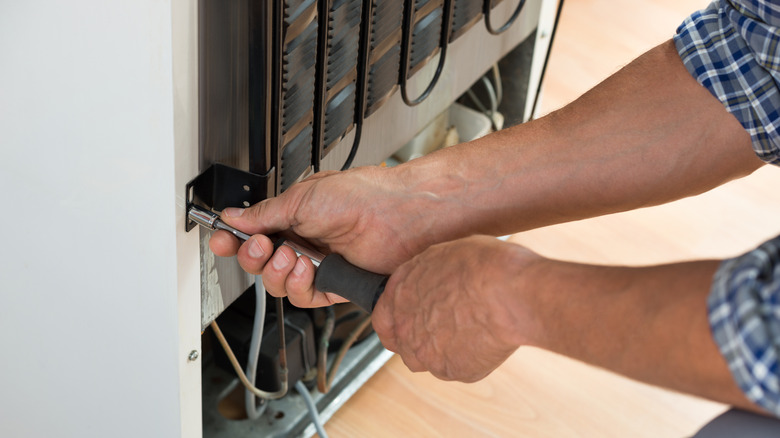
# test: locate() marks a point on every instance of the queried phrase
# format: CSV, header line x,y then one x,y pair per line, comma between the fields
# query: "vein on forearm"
x,y
648,135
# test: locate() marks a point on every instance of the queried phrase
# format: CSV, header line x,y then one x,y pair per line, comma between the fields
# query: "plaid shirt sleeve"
x,y
731,48
744,314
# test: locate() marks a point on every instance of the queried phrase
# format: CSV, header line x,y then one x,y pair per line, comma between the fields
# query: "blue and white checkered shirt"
x,y
732,48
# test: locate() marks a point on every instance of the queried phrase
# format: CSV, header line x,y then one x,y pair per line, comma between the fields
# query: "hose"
x,y
282,359
323,384
250,400
313,413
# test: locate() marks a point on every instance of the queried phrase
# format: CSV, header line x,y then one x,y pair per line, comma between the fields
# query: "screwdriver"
x,y
334,274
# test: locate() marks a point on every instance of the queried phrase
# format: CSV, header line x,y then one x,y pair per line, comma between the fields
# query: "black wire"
x,y
407,48
282,341
355,145
486,12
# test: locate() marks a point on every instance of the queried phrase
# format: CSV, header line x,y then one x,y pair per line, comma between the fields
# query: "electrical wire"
x,y
283,372
486,12
473,96
494,101
313,413
499,86
322,356
353,336
491,94
351,339
252,411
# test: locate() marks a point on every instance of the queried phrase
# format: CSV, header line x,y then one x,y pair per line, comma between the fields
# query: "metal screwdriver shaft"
x,y
334,273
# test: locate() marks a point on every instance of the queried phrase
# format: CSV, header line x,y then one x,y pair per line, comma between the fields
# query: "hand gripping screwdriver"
x,y
334,274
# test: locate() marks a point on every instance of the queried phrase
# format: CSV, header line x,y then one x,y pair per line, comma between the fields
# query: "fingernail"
x,y
299,268
233,212
280,261
255,250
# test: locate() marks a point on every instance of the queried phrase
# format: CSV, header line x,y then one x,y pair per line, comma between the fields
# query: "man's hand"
x,y
366,215
459,309
449,310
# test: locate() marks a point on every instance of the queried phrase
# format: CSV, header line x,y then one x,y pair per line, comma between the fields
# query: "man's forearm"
x,y
647,135
629,320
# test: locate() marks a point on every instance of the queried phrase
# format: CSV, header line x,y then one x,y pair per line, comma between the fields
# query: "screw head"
x,y
193,356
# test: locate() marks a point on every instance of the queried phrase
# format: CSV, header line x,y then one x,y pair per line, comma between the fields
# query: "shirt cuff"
x,y
744,316
734,54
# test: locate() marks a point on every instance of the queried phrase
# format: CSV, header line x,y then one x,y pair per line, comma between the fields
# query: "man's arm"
x,y
647,135
648,323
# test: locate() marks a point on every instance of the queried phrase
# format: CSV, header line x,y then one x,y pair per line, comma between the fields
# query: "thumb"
x,y
273,214
266,217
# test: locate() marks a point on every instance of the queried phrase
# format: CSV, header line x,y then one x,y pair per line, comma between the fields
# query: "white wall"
x,y
89,315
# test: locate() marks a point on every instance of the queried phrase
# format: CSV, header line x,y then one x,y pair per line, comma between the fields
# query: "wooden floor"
x,y
539,394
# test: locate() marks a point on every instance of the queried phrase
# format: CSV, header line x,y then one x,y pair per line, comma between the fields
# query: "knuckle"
x,y
380,318
274,285
412,363
300,293
249,265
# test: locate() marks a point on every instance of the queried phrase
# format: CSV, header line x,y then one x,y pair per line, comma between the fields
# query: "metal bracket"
x,y
222,186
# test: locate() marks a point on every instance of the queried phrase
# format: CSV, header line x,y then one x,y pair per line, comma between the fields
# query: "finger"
x,y
270,215
382,320
410,346
300,283
224,244
405,338
300,287
253,255
411,362
261,218
277,269
273,214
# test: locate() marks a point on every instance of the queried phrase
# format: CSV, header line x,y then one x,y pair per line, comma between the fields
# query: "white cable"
x,y
283,372
476,101
313,414
491,92
493,114
250,400
499,86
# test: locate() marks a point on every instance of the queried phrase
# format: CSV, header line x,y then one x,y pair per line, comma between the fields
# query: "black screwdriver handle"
x,y
341,277
335,274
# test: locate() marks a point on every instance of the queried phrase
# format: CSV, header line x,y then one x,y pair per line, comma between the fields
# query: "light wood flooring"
x,y
539,394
